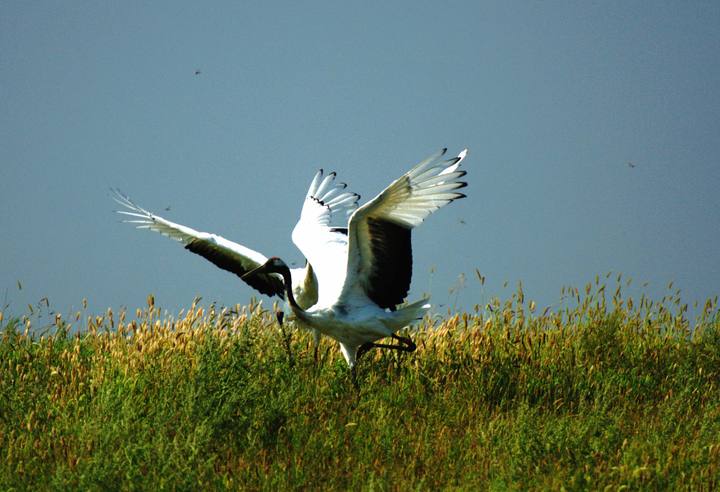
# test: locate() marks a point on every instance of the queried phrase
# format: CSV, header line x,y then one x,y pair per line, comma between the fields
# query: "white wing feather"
x,y
404,204
224,253
143,219
324,246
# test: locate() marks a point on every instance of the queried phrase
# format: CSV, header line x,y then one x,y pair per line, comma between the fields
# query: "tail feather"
x,y
406,315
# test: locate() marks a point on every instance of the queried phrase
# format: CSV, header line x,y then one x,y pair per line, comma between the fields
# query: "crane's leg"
x,y
286,337
316,342
364,348
406,345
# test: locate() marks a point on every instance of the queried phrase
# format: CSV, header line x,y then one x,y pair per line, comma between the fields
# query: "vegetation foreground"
x,y
604,394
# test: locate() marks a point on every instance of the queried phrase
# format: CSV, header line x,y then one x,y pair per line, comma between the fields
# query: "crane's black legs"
x,y
286,337
280,316
406,345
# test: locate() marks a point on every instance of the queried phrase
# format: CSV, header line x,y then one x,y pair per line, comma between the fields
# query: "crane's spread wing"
x,y
221,252
324,245
327,201
379,250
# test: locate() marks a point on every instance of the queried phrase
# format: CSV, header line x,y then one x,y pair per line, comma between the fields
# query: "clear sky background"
x,y
553,99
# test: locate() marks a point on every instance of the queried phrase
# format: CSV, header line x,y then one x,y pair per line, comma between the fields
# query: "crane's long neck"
x,y
284,271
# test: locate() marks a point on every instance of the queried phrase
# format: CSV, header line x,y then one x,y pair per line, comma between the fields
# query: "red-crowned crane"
x,y
361,290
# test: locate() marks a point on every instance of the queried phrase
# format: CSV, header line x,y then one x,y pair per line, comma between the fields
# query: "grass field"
x,y
607,393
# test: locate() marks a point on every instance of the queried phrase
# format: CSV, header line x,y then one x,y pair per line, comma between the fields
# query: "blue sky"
x,y
553,99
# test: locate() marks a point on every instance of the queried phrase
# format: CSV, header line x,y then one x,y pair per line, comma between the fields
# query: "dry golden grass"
x,y
600,392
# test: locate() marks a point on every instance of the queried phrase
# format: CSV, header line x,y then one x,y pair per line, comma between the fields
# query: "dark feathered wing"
x,y
223,253
379,248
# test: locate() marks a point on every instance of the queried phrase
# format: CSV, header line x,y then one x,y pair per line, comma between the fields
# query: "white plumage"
x,y
361,289
326,201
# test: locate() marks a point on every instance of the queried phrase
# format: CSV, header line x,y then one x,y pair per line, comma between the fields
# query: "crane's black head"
x,y
273,265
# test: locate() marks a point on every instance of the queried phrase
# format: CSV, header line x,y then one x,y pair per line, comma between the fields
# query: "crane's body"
x,y
361,289
357,277
355,325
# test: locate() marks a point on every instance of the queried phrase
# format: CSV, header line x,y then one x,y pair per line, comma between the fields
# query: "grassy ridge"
x,y
606,393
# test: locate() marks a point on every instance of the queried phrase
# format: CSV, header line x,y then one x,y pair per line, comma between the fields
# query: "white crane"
x,y
325,201
361,290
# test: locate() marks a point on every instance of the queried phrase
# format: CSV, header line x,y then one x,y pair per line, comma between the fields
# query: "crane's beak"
x,y
256,271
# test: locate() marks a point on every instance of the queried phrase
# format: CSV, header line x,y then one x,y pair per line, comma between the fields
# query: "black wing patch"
x,y
265,284
392,266
341,230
